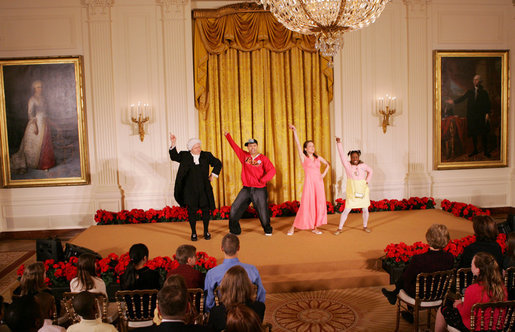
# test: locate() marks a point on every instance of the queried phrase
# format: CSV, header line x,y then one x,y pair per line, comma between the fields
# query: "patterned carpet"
x,y
353,309
9,263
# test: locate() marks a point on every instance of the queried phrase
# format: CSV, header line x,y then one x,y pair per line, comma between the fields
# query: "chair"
x,y
136,307
196,296
101,302
464,278
431,290
481,318
509,282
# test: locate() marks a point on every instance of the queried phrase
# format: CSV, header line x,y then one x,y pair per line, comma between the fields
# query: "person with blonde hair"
x,y
435,259
32,280
488,287
235,288
87,279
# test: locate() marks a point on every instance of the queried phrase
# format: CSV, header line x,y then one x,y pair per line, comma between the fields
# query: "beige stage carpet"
x,y
10,261
304,261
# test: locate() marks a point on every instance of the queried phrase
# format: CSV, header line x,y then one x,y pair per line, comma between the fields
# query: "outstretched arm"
x,y
343,158
327,166
297,142
174,155
239,152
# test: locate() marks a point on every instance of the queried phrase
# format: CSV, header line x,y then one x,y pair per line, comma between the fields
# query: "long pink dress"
x,y
313,210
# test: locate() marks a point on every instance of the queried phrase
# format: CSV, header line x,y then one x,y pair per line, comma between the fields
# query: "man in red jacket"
x,y
256,171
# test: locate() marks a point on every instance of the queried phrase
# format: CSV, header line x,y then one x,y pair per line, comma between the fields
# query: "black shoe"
x,y
390,295
407,316
193,237
473,153
207,236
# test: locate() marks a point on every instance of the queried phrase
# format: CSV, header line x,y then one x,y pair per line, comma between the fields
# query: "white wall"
x,y
141,50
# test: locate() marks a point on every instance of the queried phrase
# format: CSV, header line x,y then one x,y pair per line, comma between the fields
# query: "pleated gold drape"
x,y
252,78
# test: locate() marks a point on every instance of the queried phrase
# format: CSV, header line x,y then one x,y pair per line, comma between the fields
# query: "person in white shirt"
x,y
85,305
86,279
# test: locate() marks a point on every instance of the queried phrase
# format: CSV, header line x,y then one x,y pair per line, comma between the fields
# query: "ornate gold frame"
x,y
502,56
84,177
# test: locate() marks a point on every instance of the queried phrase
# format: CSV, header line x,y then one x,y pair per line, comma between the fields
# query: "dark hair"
x,y
85,305
510,245
230,244
485,228
173,301
86,270
137,253
305,145
46,304
358,152
175,280
23,314
184,252
489,276
241,318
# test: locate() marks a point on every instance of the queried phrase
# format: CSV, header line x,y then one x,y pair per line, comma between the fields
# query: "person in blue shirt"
x,y
230,248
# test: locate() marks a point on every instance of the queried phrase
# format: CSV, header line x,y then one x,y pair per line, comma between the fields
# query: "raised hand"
x,y
173,139
292,127
338,140
226,132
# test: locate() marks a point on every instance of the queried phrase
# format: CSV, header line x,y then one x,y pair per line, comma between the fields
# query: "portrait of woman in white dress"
x,y
36,150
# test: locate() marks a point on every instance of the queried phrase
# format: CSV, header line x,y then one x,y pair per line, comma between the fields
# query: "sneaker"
x,y
366,230
338,232
407,316
193,237
268,234
316,231
390,295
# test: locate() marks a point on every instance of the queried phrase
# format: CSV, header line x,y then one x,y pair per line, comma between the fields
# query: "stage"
x,y
304,261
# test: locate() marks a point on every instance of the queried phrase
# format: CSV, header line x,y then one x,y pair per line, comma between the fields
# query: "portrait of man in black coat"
x,y
478,110
193,188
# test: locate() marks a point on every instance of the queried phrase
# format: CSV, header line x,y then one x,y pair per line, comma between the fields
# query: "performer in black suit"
x,y
478,110
193,183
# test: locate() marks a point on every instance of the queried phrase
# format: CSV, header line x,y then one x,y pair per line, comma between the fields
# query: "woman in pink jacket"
x,y
359,175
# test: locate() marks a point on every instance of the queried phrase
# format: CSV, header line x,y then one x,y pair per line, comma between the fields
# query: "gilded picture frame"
x,y
43,125
471,98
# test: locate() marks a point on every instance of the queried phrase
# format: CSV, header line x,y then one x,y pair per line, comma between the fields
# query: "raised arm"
x,y
174,155
297,142
239,152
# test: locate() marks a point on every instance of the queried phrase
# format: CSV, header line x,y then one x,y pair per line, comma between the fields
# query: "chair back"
x,y
196,298
464,278
433,286
509,282
68,306
136,305
493,316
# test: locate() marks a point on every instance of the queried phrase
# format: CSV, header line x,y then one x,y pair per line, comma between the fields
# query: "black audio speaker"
x,y
73,250
49,249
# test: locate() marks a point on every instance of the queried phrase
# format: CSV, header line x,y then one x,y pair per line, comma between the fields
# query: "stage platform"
x,y
304,261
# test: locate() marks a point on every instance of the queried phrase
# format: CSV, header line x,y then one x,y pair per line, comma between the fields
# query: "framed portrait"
x,y
43,129
470,109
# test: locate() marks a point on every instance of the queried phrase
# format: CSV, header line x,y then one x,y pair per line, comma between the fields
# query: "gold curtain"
x,y
252,78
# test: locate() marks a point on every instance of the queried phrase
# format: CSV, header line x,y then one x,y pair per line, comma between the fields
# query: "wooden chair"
x,y
464,278
196,296
481,318
509,282
431,290
136,307
101,302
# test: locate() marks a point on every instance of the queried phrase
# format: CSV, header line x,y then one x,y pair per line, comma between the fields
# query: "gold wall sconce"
x,y
139,114
386,108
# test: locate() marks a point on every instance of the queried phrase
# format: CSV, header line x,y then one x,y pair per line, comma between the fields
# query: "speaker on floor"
x,y
73,250
49,249
511,222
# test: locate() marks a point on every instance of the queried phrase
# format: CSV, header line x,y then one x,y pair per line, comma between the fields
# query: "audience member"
x,y
486,233
489,287
176,280
137,275
46,304
435,259
509,256
240,318
173,306
87,279
230,248
85,305
32,280
3,307
24,315
186,255
234,289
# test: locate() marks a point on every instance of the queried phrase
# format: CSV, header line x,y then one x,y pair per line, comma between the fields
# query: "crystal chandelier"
x,y
328,20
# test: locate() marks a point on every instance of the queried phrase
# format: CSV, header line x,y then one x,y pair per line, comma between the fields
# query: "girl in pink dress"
x,y
358,176
313,210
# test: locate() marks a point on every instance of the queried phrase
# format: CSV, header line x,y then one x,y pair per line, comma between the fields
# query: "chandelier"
x,y
328,20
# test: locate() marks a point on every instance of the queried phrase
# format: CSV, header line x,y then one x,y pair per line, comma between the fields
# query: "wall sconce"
x,y
140,114
386,107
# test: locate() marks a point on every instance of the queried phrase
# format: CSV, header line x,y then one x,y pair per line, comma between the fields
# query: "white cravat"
x,y
196,158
